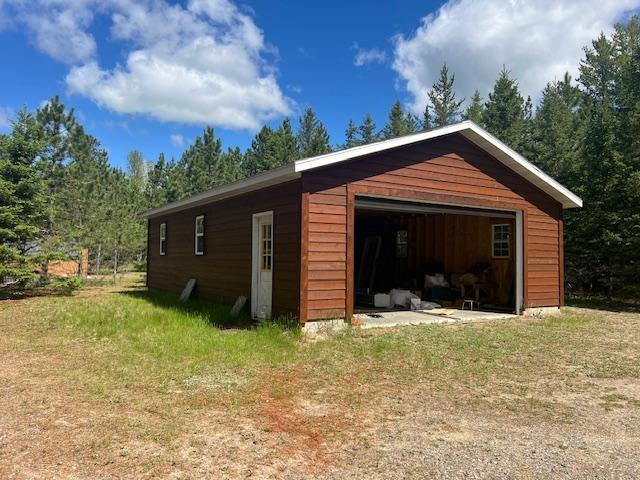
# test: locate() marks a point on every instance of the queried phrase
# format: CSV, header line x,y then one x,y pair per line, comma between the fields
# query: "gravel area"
x,y
358,420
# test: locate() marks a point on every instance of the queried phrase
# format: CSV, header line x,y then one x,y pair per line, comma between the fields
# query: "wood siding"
x,y
446,170
224,271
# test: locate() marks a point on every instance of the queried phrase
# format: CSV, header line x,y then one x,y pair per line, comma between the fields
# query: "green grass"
x,y
149,370
601,302
137,335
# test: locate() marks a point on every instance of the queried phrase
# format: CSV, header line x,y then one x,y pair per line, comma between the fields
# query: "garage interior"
x,y
441,254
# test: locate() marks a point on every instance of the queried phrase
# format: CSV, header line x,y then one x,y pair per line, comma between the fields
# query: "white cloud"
x,y
537,41
366,57
201,63
177,140
56,27
6,115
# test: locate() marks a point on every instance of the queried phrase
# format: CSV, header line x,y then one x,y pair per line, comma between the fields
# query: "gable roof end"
x,y
473,133
468,129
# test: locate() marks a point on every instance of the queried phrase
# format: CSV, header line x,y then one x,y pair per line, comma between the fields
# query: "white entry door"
x,y
262,278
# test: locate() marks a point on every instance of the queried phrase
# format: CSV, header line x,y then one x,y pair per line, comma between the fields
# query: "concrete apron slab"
x,y
395,318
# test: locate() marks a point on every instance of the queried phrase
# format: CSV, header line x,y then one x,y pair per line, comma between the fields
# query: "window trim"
x,y
196,235
163,238
405,244
507,242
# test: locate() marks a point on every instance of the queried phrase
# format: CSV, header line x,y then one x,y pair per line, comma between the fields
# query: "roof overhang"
x,y
468,129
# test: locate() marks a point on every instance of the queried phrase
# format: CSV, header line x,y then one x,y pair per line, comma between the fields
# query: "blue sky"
x,y
149,75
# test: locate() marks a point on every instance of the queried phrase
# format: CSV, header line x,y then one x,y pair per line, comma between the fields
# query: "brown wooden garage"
x,y
299,239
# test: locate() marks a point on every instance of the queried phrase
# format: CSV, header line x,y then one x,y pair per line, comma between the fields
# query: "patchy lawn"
x,y
117,382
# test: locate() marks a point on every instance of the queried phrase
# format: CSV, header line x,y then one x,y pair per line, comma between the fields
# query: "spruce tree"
x,y
504,114
22,199
312,136
351,135
260,155
399,122
475,109
442,97
286,145
427,121
368,130
555,143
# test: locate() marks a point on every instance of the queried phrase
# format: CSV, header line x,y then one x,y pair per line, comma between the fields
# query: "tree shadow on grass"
x,y
597,302
217,314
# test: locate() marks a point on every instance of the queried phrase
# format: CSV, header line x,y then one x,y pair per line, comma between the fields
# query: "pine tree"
x,y
176,180
137,170
22,200
312,136
368,130
602,233
351,135
504,114
61,131
157,189
442,96
286,144
231,165
260,156
427,122
555,143
399,122
271,149
475,109
83,196
199,166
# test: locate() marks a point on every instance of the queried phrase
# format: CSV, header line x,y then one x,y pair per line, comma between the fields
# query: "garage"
x,y
442,254
450,216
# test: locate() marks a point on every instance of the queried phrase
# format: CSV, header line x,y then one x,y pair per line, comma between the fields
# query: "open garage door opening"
x,y
410,255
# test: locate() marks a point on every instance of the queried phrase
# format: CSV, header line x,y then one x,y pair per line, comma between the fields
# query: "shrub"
x,y
66,285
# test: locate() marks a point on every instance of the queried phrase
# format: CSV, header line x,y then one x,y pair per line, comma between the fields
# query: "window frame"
x,y
404,244
502,242
162,234
197,235
266,255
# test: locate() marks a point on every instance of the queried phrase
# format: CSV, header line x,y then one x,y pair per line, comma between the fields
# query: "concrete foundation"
x,y
539,312
427,317
324,326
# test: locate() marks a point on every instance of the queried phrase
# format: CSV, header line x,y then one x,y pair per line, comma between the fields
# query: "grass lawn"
x,y
117,382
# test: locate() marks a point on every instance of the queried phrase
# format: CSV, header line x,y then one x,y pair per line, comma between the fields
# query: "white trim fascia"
x,y
479,136
522,166
467,128
255,182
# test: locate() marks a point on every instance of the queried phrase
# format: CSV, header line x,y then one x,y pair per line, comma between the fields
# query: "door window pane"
x,y
266,247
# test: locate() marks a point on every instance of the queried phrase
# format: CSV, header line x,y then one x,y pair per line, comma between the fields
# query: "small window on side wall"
x,y
402,244
501,240
163,238
199,235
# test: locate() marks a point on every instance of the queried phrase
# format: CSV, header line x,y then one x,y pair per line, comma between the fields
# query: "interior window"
x,y
402,244
199,237
501,240
163,238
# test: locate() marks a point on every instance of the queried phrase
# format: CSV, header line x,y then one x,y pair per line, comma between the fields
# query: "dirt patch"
x,y
376,405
